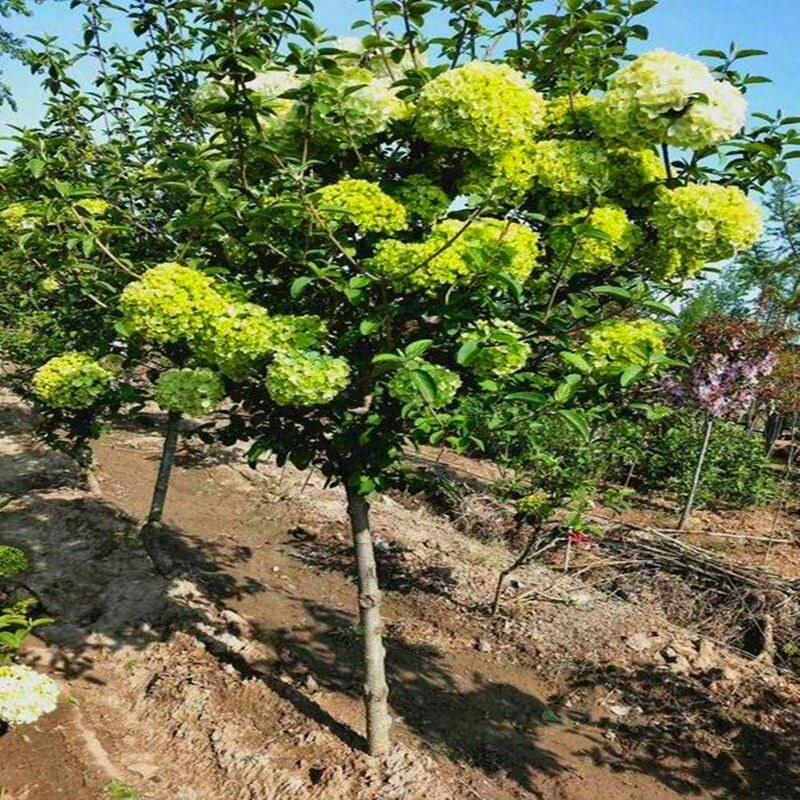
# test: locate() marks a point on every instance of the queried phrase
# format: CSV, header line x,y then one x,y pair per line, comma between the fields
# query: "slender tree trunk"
x,y
772,430
165,467
151,532
698,472
376,690
501,578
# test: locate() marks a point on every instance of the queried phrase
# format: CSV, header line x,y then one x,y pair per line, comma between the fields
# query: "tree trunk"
x,y
165,467
376,690
772,430
698,472
151,532
501,578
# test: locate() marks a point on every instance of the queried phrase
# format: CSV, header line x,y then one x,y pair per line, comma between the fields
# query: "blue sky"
x,y
684,26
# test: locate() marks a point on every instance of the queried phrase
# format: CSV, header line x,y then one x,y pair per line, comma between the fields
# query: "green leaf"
x,y
368,326
416,349
750,53
575,360
467,352
299,285
36,167
425,385
528,397
614,291
630,375
578,421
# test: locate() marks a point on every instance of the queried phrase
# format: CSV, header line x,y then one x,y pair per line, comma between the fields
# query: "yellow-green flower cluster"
x,y
536,505
72,381
196,392
94,206
707,222
12,561
502,351
25,695
480,107
570,114
306,378
623,343
49,285
509,176
352,106
170,303
479,251
402,385
588,253
241,338
421,197
665,97
571,167
19,216
712,121
362,204
634,173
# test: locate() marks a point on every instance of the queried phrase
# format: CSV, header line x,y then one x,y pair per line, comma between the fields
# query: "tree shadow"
x,y
491,726
90,572
745,746
396,570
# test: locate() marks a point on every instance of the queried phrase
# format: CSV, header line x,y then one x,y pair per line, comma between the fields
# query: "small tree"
x,y
383,233
731,359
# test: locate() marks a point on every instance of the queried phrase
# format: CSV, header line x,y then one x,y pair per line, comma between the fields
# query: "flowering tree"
x,y
349,233
731,360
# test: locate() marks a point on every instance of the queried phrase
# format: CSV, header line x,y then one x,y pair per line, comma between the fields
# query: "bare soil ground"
x,y
239,680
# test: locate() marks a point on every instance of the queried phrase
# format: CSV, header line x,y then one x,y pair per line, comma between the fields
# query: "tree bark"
x,y
151,534
698,472
376,690
534,535
165,467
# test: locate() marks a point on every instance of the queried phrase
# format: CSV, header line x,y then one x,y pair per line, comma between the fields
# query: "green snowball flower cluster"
x,y
536,505
571,167
712,121
12,561
195,392
403,386
352,106
589,253
71,381
480,107
362,204
25,695
706,222
241,338
665,97
569,114
625,343
507,177
306,378
480,251
49,285
170,303
19,217
94,206
421,197
502,351
633,175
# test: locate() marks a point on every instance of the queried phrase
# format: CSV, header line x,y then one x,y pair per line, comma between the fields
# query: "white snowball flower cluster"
x,y
666,97
25,695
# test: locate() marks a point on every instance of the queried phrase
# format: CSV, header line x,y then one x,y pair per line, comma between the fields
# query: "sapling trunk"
x,y
150,530
772,431
165,467
698,472
520,561
376,690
